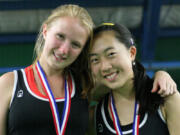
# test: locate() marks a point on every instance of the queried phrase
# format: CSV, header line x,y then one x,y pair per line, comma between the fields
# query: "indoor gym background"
x,y
154,23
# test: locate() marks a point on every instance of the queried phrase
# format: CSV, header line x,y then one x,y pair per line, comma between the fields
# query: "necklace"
x,y
116,121
60,126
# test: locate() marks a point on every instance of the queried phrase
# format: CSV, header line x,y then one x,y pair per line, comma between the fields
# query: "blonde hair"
x,y
61,11
78,68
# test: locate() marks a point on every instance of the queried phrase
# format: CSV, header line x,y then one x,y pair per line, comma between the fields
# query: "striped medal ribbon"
x,y
116,121
60,126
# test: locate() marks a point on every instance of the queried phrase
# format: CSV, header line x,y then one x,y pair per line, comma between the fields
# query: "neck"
x,y
125,93
55,80
49,70
124,99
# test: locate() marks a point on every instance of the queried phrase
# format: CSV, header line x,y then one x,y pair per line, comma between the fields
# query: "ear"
x,y
44,31
132,50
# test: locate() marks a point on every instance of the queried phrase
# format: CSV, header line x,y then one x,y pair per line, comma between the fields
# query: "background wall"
x,y
20,21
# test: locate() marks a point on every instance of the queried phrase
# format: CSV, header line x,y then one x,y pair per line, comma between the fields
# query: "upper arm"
x,y
6,87
172,113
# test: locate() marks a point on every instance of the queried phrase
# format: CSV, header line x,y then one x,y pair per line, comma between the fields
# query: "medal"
x,y
60,126
116,121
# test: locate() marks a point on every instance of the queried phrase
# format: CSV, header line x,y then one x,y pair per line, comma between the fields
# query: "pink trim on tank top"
x,y
32,84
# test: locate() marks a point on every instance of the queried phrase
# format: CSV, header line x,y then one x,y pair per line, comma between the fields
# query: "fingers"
x,y
156,85
172,90
164,84
162,91
155,88
168,89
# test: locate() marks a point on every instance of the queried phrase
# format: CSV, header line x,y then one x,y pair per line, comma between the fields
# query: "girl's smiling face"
x,y
111,61
64,41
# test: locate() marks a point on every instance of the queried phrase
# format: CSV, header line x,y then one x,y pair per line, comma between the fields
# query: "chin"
x,y
114,86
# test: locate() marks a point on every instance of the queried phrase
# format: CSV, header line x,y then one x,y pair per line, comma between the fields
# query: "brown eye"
x,y
60,36
75,45
94,60
111,54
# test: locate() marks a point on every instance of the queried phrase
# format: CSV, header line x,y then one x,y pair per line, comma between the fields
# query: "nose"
x,y
64,48
105,65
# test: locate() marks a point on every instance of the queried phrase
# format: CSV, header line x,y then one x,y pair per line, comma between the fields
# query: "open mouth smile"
x,y
111,76
59,57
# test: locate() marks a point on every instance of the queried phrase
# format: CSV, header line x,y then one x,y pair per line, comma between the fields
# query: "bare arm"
x,y
6,87
172,113
164,84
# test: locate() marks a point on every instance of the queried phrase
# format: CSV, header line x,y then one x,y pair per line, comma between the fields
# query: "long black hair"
x,y
149,102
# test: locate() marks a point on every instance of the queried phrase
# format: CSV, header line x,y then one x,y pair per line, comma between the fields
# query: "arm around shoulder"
x,y
172,112
6,88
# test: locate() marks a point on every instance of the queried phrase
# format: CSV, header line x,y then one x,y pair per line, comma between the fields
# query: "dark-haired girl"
x,y
130,108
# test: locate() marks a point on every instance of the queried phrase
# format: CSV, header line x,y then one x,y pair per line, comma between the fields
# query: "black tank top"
x,y
30,114
150,124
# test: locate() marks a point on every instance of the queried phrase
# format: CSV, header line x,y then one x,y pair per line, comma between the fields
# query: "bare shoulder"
x,y
6,84
6,88
173,100
172,113
172,104
7,79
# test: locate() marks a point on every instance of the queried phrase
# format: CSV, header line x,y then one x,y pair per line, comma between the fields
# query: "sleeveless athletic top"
x,y
30,113
150,124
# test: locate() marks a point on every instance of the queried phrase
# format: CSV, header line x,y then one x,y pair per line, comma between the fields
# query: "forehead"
x,y
65,22
105,41
71,27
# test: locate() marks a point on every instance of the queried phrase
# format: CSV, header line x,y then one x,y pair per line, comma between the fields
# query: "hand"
x,y
163,84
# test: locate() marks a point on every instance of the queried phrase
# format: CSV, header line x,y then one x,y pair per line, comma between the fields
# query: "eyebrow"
x,y
107,49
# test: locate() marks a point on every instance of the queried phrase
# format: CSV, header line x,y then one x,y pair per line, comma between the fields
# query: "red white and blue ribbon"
x,y
60,126
116,121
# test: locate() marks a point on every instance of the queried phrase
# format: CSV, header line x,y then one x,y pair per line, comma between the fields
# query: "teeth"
x,y
60,57
111,76
57,56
